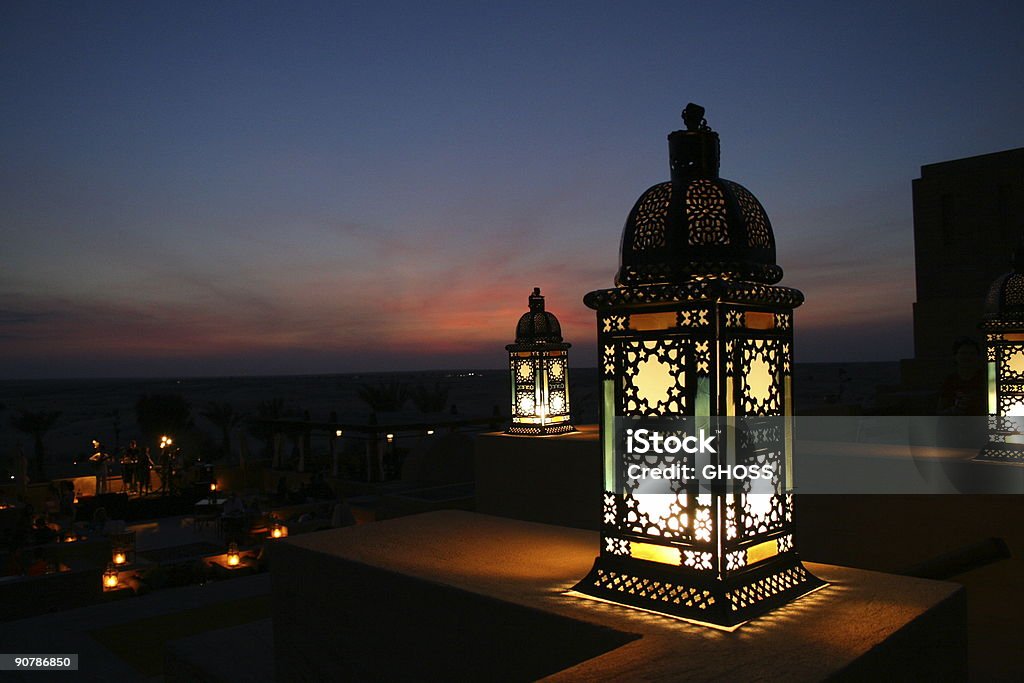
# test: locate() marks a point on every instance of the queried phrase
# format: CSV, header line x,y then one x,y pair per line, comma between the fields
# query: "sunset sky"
x,y
264,188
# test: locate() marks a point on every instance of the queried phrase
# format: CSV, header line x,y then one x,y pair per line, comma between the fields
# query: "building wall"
x,y
968,218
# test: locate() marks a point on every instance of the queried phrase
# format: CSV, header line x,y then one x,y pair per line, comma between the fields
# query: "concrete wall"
x,y
549,479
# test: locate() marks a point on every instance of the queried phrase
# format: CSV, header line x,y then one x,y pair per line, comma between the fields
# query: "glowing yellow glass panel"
x,y
759,321
759,380
1016,409
653,380
652,321
1015,362
762,551
654,553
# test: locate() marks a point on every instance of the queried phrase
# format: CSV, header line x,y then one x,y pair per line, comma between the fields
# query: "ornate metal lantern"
x,y
539,366
696,332
1003,325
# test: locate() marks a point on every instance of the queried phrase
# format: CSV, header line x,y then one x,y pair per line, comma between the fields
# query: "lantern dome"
x,y
697,225
1006,295
538,326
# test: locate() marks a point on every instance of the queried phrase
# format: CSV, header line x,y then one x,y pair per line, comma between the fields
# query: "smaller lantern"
x,y
278,530
1003,324
539,367
110,578
119,556
213,487
69,536
233,557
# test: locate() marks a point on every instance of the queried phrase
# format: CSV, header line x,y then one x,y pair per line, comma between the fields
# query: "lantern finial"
x,y
693,153
693,117
536,300
1018,257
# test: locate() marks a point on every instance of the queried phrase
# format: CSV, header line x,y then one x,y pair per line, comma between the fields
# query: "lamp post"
x,y
1003,324
539,368
697,335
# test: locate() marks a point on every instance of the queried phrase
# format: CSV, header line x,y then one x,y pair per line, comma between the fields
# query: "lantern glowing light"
x,y
539,369
110,579
233,557
120,557
278,531
1003,325
697,336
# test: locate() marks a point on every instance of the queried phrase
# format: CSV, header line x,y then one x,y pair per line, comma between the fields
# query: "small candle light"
x,y
233,557
391,437
278,531
110,578
120,557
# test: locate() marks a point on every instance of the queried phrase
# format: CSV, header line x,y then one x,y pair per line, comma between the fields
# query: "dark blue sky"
x,y
227,188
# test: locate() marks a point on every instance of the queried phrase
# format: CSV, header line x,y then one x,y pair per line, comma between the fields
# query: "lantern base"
x,y
540,430
1012,454
681,593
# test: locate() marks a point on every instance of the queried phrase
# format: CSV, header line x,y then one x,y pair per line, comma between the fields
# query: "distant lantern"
x,y
110,579
696,334
278,530
1003,325
539,366
119,556
232,556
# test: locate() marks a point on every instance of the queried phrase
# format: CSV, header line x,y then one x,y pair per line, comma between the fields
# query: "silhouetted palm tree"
x,y
223,416
162,414
430,399
270,409
384,397
36,423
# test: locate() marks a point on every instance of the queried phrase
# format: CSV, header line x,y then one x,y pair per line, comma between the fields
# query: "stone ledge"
x,y
452,594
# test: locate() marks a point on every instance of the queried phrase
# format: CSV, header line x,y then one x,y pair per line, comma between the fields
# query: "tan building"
x,y
968,218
